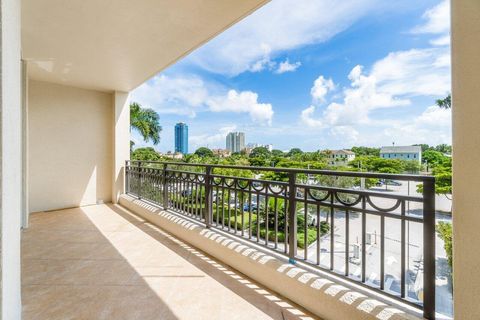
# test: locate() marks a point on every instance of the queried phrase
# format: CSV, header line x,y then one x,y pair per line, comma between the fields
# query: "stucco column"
x,y
11,158
466,157
25,208
121,141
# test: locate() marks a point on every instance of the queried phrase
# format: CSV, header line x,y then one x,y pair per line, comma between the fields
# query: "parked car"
x,y
392,182
246,206
186,193
257,185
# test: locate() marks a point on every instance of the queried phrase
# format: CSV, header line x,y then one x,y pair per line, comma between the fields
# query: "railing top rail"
x,y
353,174
362,193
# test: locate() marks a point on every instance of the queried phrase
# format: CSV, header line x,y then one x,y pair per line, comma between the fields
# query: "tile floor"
x,y
102,262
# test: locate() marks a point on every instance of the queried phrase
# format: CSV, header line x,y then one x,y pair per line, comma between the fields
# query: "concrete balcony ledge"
x,y
320,294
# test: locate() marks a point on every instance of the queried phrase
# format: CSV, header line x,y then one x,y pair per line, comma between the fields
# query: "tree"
x,y
311,156
145,154
204,152
443,181
424,146
259,162
444,230
433,158
375,164
146,122
294,152
277,153
259,152
444,148
445,103
442,170
366,151
412,166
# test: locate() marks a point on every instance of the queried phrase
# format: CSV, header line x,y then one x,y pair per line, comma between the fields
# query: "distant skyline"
x,y
313,74
181,138
235,141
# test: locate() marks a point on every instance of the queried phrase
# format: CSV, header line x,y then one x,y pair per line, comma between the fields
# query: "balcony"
x,y
380,240
66,74
103,262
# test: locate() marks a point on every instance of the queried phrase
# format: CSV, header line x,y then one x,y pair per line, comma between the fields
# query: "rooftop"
x,y
401,149
343,151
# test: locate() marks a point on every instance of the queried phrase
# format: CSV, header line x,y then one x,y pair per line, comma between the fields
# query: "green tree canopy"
x,y
204,152
445,103
145,154
366,151
442,171
376,164
146,122
444,148
412,166
278,153
424,146
432,157
260,152
445,232
294,152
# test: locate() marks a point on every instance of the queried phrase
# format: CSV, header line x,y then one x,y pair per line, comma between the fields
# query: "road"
x,y
414,254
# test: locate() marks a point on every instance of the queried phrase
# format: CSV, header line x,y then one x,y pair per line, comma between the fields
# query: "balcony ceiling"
x,y
117,45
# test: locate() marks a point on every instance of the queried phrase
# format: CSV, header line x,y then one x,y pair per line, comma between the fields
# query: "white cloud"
x,y
433,126
280,25
346,134
441,41
321,87
182,95
216,140
437,21
308,119
392,82
414,72
187,95
244,101
286,66
264,62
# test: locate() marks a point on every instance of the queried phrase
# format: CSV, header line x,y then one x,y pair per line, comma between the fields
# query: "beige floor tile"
x,y
102,262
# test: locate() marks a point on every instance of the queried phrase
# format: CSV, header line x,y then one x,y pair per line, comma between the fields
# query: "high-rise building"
x,y
181,138
235,141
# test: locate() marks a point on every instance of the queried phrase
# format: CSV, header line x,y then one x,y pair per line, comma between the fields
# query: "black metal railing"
x,y
364,227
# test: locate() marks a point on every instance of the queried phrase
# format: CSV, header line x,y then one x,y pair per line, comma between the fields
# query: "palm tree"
x,y
145,121
445,103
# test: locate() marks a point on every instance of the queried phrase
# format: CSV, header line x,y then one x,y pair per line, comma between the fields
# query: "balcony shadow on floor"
x,y
272,304
70,270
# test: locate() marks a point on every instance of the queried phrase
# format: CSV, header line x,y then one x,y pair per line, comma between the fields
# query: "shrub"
x,y
233,213
324,227
311,234
445,231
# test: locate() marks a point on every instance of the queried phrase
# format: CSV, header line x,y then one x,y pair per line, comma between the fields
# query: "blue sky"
x,y
313,74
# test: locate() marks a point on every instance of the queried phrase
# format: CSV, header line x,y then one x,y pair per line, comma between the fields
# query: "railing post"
x,y
165,187
429,234
292,217
208,196
127,173
139,193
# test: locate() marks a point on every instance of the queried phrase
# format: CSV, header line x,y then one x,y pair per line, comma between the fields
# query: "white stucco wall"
x,y
11,159
121,145
466,157
70,146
